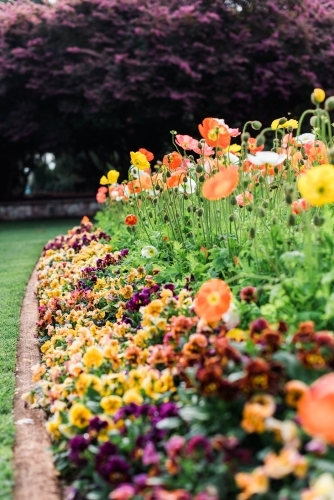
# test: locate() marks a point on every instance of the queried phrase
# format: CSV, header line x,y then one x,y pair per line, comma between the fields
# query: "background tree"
x,y
91,80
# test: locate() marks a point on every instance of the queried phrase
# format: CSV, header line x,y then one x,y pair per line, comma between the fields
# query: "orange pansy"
x,y
221,184
215,133
213,300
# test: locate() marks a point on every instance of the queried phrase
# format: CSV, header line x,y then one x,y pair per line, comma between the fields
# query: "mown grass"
x,y
20,246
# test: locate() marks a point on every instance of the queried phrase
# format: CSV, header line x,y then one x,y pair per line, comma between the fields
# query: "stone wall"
x,y
40,209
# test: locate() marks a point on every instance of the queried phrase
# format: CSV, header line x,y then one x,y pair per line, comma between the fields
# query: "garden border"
x,y
35,477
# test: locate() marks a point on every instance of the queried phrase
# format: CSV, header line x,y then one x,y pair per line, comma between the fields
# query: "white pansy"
x,y
232,317
149,251
266,157
305,138
188,187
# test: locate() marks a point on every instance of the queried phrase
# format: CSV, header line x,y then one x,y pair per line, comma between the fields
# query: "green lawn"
x,y
20,246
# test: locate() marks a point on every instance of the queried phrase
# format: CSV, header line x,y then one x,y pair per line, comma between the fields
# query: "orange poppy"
x,y
253,148
172,160
215,133
221,185
131,220
316,408
148,154
213,300
143,182
176,178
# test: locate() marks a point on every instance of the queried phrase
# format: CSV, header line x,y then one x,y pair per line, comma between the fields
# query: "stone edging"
x,y
34,473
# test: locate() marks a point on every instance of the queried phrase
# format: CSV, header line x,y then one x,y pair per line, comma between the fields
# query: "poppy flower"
x,y
244,198
148,154
131,220
215,133
316,408
213,300
221,185
186,141
299,206
176,178
172,160
253,148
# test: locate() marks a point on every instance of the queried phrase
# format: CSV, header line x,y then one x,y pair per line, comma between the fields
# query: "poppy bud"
x,y
289,130
249,208
318,220
231,218
199,145
252,233
154,201
191,157
276,169
288,199
245,136
319,95
167,174
313,121
291,220
256,125
265,204
166,218
194,209
329,103
261,179
199,169
282,120
202,141
245,182
261,212
200,212
201,178
233,200
188,210
173,132
260,140
189,235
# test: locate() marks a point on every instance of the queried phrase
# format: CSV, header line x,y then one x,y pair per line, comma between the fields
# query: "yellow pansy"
x,y
93,357
79,415
111,404
139,160
317,185
132,396
111,177
236,334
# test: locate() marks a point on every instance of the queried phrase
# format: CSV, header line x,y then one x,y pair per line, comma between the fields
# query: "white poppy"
x,y
266,157
149,251
231,317
231,158
135,172
305,138
188,187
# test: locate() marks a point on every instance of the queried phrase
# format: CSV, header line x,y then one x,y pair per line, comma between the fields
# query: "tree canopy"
x,y
92,79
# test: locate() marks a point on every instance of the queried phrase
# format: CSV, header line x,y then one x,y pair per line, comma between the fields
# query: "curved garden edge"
x,y
35,476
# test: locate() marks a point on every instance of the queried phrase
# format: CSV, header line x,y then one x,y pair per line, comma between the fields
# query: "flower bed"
x,y
163,381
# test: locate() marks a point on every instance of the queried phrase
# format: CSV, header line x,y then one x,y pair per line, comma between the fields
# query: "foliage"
x,y
93,76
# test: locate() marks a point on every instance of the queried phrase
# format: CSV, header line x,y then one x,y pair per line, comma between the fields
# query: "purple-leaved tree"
x,y
97,78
